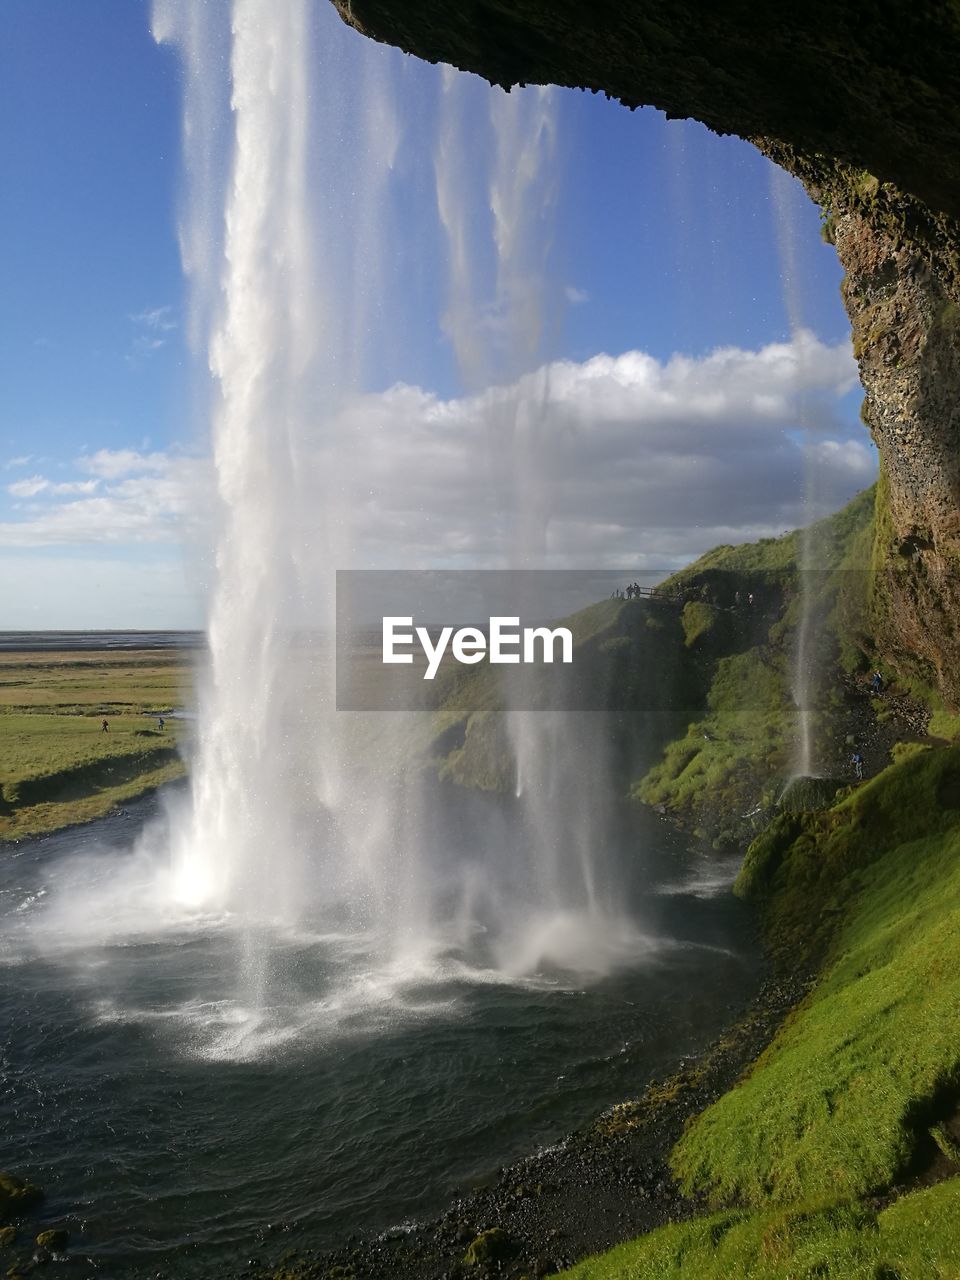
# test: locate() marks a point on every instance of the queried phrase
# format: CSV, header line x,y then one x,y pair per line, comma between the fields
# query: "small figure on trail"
x,y
876,684
105,727
160,723
736,599
750,599
857,761
630,592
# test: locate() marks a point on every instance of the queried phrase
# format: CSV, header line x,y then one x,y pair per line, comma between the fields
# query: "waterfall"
x,y
281,306
804,687
302,817
501,326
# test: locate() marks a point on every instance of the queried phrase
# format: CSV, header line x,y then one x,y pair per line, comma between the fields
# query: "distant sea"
x,y
68,641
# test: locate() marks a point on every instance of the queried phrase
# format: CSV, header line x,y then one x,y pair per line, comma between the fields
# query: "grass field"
x,y
858,1097
916,1238
57,766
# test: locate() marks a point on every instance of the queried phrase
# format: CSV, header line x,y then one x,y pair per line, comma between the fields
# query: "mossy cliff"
x,y
630,669
696,688
862,103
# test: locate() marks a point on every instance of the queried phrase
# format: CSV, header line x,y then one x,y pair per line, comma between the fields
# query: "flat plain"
x,y
57,764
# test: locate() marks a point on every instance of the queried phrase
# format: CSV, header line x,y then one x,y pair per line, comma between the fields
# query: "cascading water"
x,y
804,688
289,823
502,336
260,355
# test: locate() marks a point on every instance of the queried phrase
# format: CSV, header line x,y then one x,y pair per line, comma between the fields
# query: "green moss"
x,y
718,770
484,760
492,1245
834,1108
697,620
917,1238
723,773
803,795
944,724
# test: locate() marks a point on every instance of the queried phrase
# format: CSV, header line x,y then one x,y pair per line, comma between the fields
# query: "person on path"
x,y
160,723
857,762
877,683
105,728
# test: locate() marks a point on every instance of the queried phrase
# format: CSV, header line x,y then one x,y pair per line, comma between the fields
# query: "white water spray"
x,y
305,823
502,336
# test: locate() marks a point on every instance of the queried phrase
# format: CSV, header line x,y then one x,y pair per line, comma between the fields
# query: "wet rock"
x,y
493,1245
18,1197
809,794
55,1239
8,1236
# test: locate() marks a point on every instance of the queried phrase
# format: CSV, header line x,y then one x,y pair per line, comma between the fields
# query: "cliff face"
x,y
877,86
862,103
906,334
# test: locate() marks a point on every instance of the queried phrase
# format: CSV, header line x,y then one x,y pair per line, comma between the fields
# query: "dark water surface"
x,y
176,1135
79,641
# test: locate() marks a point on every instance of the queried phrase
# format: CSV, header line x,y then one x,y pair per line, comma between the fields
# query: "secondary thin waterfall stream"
x,y
784,195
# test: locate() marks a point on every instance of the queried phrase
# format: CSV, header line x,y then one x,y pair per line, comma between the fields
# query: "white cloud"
x,y
575,296
850,457
155,326
134,498
23,460
110,464
29,487
159,319
618,461
73,486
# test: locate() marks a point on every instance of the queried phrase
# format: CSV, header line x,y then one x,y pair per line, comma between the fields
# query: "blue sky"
x,y
665,242
90,149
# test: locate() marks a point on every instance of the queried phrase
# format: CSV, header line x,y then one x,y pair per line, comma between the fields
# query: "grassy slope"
x,y
858,1083
735,754
627,662
707,690
917,1238
860,1090
842,1100
56,765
